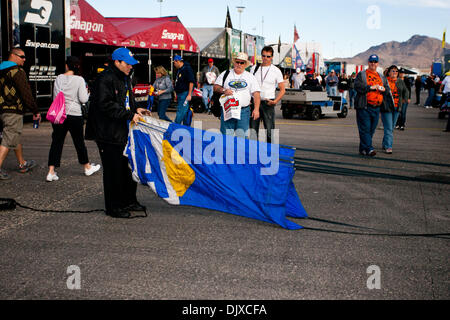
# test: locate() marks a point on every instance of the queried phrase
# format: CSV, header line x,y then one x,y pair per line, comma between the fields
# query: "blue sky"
x,y
344,28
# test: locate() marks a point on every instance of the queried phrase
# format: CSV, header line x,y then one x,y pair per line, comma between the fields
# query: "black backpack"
x,y
216,108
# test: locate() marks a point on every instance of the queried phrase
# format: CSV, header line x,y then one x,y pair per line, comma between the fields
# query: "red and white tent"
x,y
89,26
155,33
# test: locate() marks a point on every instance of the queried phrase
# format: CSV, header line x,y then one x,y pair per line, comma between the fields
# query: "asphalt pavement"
x,y
367,240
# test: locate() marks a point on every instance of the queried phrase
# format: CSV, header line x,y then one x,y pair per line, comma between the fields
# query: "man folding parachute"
x,y
189,166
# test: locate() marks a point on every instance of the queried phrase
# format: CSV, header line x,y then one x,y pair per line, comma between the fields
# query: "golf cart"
x,y
312,104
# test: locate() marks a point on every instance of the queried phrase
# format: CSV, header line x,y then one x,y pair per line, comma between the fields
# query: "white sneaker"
x,y
52,177
94,168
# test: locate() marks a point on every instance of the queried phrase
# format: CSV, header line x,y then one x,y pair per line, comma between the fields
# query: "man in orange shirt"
x,y
372,90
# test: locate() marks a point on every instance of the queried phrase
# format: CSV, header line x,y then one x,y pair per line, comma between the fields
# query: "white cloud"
x,y
445,4
441,4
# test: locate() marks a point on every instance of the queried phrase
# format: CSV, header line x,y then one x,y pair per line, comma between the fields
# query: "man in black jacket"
x,y
418,85
111,109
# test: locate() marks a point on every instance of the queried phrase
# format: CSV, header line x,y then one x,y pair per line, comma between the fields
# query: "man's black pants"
x,y
267,113
118,185
417,96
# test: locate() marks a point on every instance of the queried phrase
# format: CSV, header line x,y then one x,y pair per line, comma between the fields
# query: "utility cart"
x,y
312,104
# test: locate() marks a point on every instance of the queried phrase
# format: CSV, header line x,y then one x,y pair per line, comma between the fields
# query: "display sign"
x,y
235,42
39,31
217,48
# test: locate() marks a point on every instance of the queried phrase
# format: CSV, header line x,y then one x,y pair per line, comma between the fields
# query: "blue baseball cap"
x,y
373,58
123,54
177,58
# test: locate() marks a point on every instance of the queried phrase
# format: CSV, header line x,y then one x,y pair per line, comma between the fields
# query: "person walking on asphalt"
x,y
392,106
418,87
112,108
75,93
430,85
371,87
242,85
184,85
269,78
401,122
15,97
163,90
445,89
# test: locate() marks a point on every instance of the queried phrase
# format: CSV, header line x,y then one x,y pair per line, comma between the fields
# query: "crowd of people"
x,y
253,94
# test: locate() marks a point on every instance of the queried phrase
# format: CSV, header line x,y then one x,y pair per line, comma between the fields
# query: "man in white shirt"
x,y
242,85
445,89
445,85
298,78
209,75
269,77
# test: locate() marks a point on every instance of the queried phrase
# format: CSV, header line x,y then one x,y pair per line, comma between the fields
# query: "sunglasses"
x,y
21,57
373,61
240,62
266,56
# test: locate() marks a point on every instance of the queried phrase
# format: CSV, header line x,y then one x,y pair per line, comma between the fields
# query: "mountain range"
x,y
417,52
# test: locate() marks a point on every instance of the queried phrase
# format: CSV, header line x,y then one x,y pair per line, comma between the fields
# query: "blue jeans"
x,y
207,92
181,109
333,91
389,120
367,120
430,98
162,108
239,127
352,95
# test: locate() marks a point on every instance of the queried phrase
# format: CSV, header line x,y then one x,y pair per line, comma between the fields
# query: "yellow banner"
x,y
443,39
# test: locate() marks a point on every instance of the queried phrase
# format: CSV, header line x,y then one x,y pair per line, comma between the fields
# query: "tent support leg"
x,y
149,66
171,63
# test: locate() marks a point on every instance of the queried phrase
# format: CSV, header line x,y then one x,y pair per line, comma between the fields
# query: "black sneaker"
x,y
402,128
118,213
4,175
135,207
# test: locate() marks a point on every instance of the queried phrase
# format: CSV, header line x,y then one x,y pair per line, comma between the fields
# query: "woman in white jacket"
x,y
75,93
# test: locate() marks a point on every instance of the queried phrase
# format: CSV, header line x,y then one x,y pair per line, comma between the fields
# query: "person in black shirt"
x,y
418,85
184,85
311,83
401,122
431,86
343,85
352,91
111,109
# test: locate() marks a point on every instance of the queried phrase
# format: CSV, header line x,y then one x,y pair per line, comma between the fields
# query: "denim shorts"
x,y
12,129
